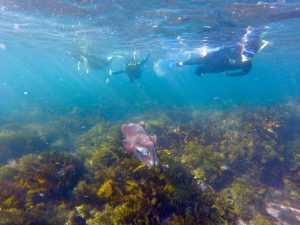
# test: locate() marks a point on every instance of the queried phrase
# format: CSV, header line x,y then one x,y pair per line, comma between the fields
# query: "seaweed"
x,y
141,195
33,187
246,196
216,167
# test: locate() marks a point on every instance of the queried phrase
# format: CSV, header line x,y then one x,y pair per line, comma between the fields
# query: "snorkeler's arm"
x,y
246,69
191,61
144,60
117,72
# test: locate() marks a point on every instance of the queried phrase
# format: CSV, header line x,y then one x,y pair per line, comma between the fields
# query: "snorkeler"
x,y
234,60
90,62
133,68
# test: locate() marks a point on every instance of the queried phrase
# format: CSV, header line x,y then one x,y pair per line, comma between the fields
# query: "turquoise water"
x,y
44,95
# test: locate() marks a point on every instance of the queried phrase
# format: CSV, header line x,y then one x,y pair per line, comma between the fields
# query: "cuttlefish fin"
x,y
123,128
154,138
142,124
128,146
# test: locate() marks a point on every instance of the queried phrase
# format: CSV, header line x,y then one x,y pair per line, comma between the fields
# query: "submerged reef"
x,y
236,166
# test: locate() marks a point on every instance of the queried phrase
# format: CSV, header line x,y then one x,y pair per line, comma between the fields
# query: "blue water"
x,y
41,84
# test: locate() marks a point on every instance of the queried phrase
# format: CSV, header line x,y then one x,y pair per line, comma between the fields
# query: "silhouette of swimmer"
x,y
90,62
235,60
133,68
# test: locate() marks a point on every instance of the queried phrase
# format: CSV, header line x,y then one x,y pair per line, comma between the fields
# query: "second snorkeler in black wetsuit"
x,y
234,60
133,68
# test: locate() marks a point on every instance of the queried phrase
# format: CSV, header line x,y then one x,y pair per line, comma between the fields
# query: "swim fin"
x,y
162,66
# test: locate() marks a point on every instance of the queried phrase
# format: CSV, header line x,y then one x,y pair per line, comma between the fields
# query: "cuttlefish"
x,y
140,143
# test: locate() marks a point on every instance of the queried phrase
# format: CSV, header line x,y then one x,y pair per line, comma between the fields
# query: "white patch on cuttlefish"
x,y
143,150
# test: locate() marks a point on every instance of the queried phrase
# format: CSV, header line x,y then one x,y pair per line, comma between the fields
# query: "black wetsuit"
x,y
234,60
133,69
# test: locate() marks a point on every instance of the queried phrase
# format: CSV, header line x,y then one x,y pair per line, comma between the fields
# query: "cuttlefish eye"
x,y
146,155
143,150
